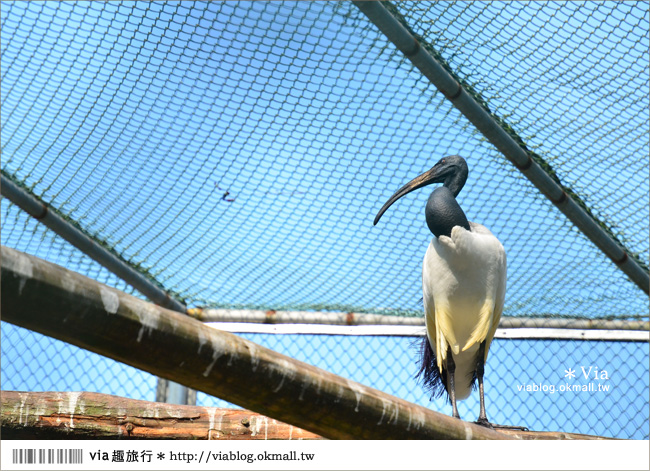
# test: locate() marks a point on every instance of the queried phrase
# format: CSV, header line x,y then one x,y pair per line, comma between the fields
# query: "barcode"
x,y
47,456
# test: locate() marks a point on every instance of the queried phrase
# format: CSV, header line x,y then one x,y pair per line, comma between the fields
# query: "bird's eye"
x,y
442,161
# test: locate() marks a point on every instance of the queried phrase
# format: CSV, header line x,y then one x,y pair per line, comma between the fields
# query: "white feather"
x,y
463,286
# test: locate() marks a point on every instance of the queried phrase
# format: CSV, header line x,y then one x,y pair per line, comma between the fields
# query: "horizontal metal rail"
x,y
418,331
362,319
300,317
433,70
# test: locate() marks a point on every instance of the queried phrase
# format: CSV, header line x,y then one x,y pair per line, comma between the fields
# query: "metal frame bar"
x,y
358,319
487,125
299,317
419,331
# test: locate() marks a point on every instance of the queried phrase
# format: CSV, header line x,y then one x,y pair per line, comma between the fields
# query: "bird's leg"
x,y
482,417
451,368
480,370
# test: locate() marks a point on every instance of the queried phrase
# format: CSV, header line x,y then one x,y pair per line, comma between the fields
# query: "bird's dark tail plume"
x,y
432,380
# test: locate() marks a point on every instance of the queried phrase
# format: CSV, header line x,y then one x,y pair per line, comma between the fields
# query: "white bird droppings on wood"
x,y
393,411
23,399
358,392
468,432
73,398
285,368
218,349
149,319
255,360
24,268
416,418
110,300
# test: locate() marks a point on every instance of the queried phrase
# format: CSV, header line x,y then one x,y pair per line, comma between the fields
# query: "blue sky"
x,y
135,119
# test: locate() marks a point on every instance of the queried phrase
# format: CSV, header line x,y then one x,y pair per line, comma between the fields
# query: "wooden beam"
x,y
531,435
49,299
87,415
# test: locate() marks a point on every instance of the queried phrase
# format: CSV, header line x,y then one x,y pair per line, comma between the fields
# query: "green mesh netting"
x,y
238,152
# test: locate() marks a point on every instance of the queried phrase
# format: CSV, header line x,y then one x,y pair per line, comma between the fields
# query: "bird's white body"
x,y
463,286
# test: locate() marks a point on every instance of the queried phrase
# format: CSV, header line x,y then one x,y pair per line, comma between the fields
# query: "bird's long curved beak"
x,y
435,175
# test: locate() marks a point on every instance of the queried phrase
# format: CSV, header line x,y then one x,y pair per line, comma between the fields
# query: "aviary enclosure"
x,y
225,160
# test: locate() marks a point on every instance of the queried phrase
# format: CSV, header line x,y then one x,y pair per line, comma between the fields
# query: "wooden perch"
x,y
85,415
530,435
49,299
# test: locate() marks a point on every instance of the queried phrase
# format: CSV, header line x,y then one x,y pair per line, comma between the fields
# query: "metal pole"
x,y
487,125
412,331
254,316
300,317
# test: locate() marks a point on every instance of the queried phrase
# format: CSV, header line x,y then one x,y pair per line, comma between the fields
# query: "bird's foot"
x,y
485,423
511,427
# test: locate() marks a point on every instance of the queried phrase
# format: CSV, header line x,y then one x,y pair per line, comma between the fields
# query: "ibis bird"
x,y
463,287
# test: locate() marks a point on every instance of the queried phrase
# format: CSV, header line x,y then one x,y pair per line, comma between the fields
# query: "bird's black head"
x,y
451,171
